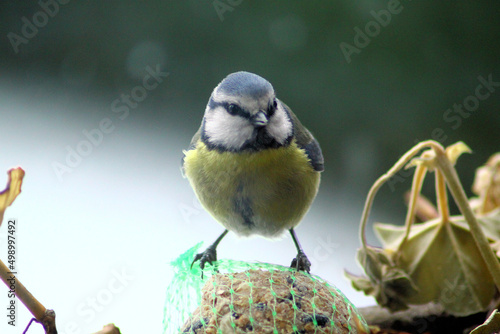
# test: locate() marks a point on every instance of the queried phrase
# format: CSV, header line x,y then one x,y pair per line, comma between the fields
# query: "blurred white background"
x,y
95,238
94,244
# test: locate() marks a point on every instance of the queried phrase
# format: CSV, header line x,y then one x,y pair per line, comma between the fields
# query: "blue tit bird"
x,y
253,166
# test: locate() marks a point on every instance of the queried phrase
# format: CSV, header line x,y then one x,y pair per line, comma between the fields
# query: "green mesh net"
x,y
243,297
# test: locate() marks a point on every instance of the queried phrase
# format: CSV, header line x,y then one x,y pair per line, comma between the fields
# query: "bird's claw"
x,y
208,256
301,262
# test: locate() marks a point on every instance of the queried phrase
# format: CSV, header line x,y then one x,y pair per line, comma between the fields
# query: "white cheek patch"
x,y
225,130
280,126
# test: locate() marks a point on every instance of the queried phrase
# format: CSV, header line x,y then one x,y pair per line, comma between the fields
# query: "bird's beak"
x,y
259,120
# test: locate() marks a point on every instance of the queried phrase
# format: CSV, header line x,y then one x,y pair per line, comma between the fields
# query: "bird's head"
x,y
244,114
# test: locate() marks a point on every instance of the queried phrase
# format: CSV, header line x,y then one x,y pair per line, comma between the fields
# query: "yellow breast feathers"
x,y
262,192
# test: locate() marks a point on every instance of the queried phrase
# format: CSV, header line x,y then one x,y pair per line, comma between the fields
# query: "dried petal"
x,y
444,263
12,189
491,325
388,284
487,185
453,152
428,157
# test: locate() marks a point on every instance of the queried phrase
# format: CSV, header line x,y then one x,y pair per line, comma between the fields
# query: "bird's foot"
x,y
208,256
301,262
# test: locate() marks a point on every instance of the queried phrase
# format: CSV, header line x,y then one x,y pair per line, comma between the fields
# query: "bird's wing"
x,y
306,141
192,145
195,139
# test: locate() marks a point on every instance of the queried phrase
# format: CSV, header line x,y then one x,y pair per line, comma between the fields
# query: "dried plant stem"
x,y
418,180
390,173
442,197
458,194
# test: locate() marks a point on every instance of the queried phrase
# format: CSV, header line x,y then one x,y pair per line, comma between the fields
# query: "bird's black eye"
x,y
272,108
234,109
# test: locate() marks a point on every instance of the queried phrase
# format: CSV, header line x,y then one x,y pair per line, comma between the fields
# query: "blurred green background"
x,y
408,67
394,92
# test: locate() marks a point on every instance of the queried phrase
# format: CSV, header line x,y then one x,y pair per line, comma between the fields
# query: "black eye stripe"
x,y
231,108
234,109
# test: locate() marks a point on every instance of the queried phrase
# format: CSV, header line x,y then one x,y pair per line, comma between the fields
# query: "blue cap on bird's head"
x,y
244,114
245,84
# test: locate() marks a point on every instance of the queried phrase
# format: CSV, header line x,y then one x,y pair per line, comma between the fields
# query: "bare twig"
x,y
39,312
33,305
47,318
428,318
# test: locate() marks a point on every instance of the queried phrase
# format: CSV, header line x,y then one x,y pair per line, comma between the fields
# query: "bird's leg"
x,y
301,262
209,255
